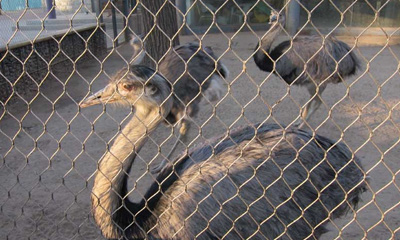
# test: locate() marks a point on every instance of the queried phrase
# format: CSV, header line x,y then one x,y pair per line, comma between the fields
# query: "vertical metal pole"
x,y
131,21
293,17
125,7
92,2
114,23
50,4
181,4
126,22
98,10
133,3
189,15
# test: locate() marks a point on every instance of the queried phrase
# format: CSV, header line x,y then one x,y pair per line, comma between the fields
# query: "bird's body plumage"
x,y
307,58
260,181
310,61
195,74
237,190
191,70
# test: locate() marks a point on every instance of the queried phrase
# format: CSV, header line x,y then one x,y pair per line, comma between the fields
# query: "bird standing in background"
x,y
309,61
195,74
259,182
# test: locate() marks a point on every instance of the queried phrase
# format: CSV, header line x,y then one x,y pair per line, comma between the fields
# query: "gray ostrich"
x,y
306,60
195,74
261,181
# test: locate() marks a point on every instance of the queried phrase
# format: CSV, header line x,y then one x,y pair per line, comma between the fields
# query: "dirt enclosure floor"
x,y
46,174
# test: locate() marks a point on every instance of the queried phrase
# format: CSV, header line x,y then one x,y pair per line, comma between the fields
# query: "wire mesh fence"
x,y
232,96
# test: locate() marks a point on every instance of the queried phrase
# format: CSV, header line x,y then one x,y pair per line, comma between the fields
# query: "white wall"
x,y
70,6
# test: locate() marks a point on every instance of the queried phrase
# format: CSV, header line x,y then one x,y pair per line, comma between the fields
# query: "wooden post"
x,y
157,43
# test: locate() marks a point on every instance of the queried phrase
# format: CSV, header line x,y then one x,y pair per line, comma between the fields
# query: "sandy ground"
x,y
50,150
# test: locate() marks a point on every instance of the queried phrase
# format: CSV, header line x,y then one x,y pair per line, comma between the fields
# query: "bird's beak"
x,y
272,19
105,95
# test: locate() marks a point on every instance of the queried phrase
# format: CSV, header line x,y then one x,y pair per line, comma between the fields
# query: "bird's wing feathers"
x,y
201,63
320,58
264,160
191,69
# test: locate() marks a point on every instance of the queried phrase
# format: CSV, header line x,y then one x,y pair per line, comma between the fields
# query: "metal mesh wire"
x,y
50,147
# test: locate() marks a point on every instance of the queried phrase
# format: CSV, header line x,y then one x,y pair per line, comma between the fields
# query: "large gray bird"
x,y
259,182
306,61
195,73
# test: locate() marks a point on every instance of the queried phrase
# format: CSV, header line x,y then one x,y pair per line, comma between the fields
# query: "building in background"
x,y
71,6
228,14
361,14
323,14
348,17
14,5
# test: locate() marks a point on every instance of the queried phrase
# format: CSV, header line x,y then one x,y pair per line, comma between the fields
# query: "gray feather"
x,y
320,59
191,69
249,182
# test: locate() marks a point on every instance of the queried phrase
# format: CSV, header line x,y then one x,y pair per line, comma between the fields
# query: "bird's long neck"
x,y
138,54
263,61
111,208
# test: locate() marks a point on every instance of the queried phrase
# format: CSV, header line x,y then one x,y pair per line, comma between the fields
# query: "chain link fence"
x,y
63,167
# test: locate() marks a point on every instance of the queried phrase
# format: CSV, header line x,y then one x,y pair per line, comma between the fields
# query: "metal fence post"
x,y
50,8
293,16
125,7
114,23
181,5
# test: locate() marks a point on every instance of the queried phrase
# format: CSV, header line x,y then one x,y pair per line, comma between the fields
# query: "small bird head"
x,y
277,17
140,87
138,45
136,40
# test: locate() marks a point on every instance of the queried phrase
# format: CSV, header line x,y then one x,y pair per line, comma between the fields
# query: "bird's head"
x,y
140,87
136,41
138,45
277,17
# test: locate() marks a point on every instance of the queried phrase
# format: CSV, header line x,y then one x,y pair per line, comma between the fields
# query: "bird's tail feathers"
x,y
135,39
352,56
137,44
217,85
356,59
223,70
215,91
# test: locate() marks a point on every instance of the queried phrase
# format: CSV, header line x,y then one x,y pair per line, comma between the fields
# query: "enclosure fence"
x,y
285,116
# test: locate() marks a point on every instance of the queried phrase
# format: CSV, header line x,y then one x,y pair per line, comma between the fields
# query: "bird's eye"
x,y
151,89
127,86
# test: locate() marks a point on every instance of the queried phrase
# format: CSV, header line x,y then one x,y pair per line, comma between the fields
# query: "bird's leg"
x,y
312,106
183,129
309,111
184,126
